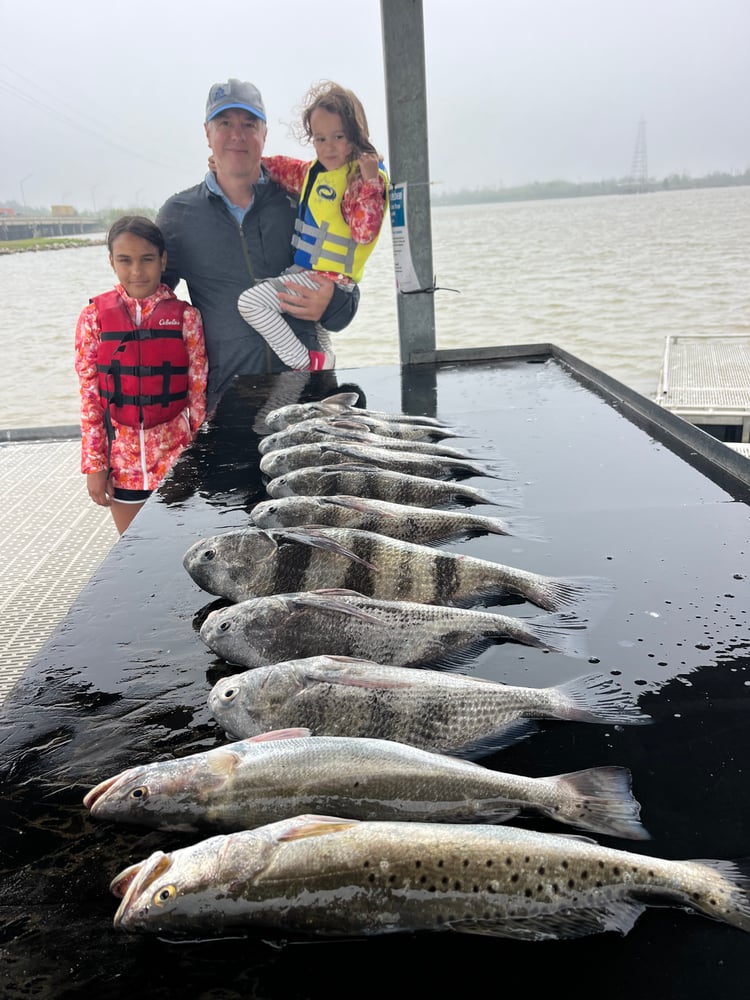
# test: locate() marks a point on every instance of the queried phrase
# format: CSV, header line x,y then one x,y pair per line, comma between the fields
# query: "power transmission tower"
x,y
639,168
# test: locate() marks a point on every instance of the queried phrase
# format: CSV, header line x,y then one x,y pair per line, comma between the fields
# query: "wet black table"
x,y
125,679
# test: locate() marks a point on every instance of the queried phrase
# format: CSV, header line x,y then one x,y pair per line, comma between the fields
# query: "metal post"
x,y
403,54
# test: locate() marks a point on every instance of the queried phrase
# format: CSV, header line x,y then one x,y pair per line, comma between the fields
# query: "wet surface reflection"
x,y
125,678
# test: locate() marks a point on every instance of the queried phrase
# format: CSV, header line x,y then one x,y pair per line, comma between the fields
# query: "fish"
x,y
332,877
336,452
377,484
265,630
254,562
257,781
422,525
442,712
339,404
324,429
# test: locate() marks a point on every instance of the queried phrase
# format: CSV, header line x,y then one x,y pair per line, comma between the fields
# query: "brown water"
x,y
603,278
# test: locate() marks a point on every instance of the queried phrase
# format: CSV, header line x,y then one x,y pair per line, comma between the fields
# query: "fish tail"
x,y
553,593
723,892
599,799
598,698
556,632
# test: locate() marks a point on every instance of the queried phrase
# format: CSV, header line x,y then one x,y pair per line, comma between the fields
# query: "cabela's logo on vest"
x,y
169,322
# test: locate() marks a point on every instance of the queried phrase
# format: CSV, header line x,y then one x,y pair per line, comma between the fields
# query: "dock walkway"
x,y
53,538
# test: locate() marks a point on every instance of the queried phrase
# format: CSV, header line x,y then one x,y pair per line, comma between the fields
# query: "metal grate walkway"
x,y
706,379
53,539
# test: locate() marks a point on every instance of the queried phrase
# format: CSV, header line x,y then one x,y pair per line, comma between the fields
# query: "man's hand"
x,y
306,303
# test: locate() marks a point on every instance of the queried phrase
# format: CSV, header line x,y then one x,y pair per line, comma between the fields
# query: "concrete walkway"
x,y
53,539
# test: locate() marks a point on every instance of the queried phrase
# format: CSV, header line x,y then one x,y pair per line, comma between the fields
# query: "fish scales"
x,y
252,562
378,484
256,781
337,452
442,712
407,522
265,630
330,877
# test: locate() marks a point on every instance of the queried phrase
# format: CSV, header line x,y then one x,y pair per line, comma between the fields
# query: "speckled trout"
x,y
431,709
265,630
333,877
254,562
256,781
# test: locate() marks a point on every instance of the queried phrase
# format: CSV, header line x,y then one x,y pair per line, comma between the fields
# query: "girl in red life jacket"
x,y
142,370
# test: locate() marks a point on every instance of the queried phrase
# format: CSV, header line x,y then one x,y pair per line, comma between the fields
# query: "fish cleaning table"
x,y
614,486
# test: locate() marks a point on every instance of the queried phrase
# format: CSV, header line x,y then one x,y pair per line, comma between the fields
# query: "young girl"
x,y
141,364
342,198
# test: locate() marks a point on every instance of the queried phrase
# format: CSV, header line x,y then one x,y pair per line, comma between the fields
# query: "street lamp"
x,y
21,184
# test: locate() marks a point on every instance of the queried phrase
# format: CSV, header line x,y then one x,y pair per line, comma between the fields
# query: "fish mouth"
x,y
94,798
134,881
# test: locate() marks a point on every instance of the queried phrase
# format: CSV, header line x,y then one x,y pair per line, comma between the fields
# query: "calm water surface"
x,y
604,278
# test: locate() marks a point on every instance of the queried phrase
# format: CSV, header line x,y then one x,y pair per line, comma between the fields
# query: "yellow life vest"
x,y
322,238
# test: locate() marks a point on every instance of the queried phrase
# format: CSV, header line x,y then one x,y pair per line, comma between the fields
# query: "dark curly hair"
x,y
339,101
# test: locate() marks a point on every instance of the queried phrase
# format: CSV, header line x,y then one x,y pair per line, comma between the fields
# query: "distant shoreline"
x,y
49,243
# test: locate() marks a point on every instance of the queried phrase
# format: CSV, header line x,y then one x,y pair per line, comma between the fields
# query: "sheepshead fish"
x,y
253,782
376,483
332,877
336,452
441,712
342,403
267,630
422,525
254,562
326,428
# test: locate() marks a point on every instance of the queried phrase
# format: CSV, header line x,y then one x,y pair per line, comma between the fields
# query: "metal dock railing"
x,y
53,538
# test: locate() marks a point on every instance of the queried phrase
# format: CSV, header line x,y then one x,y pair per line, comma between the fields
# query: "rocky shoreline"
x,y
57,245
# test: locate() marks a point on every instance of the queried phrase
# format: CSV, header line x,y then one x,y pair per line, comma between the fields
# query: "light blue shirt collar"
x,y
237,211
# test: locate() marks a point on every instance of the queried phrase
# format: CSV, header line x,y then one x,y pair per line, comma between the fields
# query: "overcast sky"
x,y
102,104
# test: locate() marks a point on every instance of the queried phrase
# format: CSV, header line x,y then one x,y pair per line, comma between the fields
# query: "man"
x,y
234,229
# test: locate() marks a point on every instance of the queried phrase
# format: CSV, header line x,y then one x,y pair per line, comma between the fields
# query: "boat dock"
x,y
705,379
53,537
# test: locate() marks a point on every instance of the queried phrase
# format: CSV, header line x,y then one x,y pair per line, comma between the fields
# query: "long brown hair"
x,y
339,101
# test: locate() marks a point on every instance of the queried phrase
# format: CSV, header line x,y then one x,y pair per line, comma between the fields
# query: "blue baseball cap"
x,y
234,94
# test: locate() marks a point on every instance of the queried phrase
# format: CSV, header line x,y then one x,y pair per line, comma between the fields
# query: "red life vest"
x,y
143,373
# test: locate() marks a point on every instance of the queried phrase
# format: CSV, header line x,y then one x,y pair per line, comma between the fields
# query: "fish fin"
x,y
513,732
556,632
311,537
361,504
602,802
599,698
279,734
341,399
316,826
325,600
615,915
555,593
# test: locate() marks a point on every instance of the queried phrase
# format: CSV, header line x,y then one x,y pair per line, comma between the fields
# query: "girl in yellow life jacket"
x,y
342,195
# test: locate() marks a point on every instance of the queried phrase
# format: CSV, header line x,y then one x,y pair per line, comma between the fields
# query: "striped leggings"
x,y
260,308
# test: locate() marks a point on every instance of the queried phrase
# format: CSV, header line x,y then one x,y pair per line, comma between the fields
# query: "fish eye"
x,y
225,626
230,694
140,794
164,895
209,554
